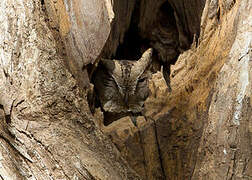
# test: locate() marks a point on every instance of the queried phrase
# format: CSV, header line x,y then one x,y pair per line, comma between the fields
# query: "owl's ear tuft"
x,y
108,64
112,66
143,62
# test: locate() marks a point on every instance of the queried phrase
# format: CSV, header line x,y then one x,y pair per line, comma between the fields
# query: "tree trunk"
x,y
47,131
200,130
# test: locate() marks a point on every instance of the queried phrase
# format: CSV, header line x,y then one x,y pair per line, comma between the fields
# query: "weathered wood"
x,y
49,123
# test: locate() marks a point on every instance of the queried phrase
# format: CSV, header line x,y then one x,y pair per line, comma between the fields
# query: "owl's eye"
x,y
141,80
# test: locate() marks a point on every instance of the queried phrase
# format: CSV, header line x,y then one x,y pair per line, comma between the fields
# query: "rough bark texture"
x,y
200,130
226,140
84,26
47,131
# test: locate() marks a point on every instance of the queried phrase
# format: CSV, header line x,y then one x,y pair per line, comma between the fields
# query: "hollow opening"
x,y
162,35
132,45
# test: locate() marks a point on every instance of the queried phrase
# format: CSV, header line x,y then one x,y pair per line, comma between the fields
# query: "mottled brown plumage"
x,y
122,85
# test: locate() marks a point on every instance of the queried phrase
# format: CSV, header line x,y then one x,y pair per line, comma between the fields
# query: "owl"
x,y
122,85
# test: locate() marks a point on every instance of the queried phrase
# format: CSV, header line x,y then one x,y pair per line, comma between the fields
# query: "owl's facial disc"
x,y
127,74
122,85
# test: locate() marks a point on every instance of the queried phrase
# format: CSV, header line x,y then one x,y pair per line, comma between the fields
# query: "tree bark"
x,y
47,130
200,130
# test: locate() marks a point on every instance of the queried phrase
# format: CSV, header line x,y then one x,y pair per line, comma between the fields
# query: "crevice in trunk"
x,y
159,149
161,34
157,25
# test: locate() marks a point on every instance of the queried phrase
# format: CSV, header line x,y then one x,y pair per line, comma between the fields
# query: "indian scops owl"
x,y
122,85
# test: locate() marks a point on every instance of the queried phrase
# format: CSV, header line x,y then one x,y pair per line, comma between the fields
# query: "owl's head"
x,y
122,85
